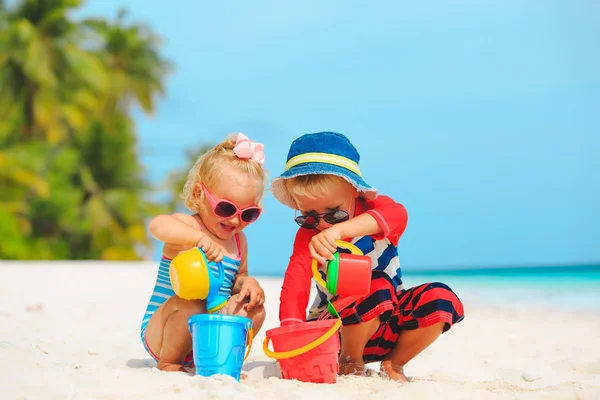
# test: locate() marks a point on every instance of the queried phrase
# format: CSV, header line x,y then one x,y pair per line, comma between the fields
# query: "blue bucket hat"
x,y
321,153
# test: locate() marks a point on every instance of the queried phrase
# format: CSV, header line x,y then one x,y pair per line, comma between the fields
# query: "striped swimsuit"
x,y
163,289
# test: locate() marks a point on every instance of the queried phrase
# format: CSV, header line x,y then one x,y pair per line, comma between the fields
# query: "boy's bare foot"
x,y
349,367
393,372
164,366
243,375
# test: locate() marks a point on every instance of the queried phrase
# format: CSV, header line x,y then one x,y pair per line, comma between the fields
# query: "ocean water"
x,y
574,288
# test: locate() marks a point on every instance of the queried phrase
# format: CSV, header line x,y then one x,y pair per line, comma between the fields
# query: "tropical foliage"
x,y
71,184
176,179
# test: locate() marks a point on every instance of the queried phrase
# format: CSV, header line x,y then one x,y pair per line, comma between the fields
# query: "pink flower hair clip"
x,y
247,149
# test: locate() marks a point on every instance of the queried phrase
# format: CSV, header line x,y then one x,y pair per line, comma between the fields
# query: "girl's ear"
x,y
198,189
198,194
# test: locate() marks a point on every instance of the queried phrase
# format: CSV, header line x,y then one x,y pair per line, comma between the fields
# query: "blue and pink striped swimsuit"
x,y
163,289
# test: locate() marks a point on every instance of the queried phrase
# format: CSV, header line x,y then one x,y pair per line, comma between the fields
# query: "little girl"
x,y
223,190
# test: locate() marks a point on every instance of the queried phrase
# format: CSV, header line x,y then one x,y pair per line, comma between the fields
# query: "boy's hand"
x,y
251,288
214,251
322,246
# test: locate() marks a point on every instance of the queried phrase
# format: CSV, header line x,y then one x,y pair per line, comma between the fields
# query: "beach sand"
x,y
71,331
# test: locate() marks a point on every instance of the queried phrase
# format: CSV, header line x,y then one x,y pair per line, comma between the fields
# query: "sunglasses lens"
x,y
307,221
251,215
335,217
224,209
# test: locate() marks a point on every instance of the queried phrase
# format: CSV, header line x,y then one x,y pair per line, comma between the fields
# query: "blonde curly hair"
x,y
206,170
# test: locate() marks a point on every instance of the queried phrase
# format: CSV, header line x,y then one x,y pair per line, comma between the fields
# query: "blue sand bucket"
x,y
219,342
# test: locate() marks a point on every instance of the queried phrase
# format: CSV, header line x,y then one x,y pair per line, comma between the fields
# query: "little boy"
x,y
391,324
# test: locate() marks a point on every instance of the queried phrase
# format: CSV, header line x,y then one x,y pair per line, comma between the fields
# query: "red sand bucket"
x,y
307,352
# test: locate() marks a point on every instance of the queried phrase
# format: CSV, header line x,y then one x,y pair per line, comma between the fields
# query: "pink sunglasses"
x,y
227,209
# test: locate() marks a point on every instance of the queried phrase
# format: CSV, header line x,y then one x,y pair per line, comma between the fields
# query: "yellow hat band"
x,y
326,158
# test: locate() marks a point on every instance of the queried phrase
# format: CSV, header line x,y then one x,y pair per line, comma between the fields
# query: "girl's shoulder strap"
x,y
239,247
199,221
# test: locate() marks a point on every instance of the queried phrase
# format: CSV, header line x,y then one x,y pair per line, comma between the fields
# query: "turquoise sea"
x,y
568,287
574,287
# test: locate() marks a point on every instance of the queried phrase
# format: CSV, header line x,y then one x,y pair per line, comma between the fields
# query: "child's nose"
x,y
323,225
235,220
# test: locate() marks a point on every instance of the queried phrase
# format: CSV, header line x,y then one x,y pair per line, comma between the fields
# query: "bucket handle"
x,y
303,349
249,340
344,245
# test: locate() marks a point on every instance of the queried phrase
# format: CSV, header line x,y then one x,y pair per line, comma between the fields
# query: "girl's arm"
x,y
244,285
243,270
178,229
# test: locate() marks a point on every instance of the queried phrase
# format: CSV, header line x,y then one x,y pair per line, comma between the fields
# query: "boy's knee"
x,y
444,295
440,290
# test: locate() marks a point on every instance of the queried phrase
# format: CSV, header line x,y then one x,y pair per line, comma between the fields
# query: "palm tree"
x,y
45,73
40,66
110,173
68,89
130,52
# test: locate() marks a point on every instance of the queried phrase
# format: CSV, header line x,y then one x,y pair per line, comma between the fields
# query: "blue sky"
x,y
480,117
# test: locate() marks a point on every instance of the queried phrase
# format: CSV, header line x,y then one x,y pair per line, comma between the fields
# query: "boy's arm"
x,y
391,217
383,218
295,291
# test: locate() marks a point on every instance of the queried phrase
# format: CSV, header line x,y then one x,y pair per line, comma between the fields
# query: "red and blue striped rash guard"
x,y
382,248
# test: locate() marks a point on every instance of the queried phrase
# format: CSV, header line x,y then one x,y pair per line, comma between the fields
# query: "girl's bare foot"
x,y
163,366
393,372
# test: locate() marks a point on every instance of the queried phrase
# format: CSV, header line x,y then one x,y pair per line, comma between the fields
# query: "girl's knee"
x,y
188,307
257,315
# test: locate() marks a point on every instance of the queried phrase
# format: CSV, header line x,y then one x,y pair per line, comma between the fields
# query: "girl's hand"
x,y
214,251
322,246
251,288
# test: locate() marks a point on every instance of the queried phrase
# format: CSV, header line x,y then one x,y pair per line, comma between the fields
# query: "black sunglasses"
x,y
311,221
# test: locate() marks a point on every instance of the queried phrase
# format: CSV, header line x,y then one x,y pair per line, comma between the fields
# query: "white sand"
x,y
71,331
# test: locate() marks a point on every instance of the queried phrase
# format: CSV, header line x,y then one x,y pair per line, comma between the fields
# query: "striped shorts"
x,y
418,307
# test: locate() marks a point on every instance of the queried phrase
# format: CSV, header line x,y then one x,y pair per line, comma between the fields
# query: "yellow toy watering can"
x,y
192,279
